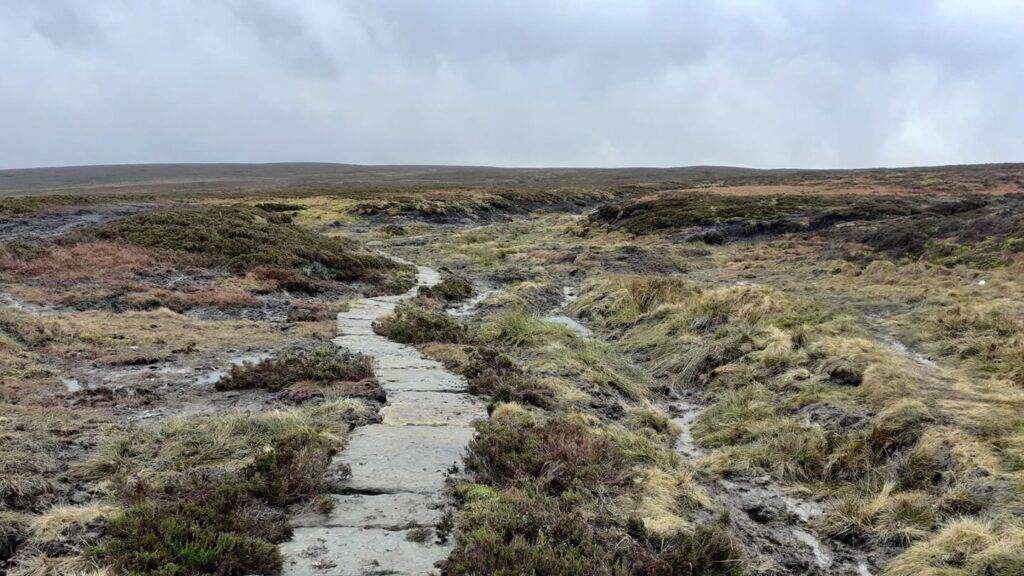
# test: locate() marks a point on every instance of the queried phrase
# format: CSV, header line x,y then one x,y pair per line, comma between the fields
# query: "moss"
x,y
325,364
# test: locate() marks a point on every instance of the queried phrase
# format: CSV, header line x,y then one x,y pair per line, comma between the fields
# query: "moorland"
x,y
700,370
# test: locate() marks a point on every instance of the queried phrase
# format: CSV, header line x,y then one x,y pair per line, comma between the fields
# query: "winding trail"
x,y
398,467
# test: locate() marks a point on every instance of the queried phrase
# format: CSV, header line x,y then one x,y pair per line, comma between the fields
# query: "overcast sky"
x,y
520,83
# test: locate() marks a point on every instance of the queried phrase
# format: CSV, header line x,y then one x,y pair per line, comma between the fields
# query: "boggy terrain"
x,y
712,371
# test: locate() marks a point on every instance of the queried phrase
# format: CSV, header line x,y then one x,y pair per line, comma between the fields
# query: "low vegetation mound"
x,y
202,257
972,232
415,323
323,365
473,203
449,291
243,238
550,498
725,216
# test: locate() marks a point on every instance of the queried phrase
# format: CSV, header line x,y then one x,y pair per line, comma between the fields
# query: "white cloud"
x,y
661,82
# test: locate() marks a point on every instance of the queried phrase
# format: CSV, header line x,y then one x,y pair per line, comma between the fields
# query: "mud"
x,y
51,224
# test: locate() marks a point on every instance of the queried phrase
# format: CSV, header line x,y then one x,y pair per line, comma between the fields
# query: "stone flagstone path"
x,y
398,466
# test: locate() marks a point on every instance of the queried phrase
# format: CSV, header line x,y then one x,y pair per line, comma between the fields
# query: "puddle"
x,y
803,509
687,416
578,329
22,306
71,384
469,306
821,555
172,369
901,348
895,345
213,376
569,295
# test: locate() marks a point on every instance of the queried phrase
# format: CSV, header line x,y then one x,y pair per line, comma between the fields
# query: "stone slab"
x,y
387,362
420,380
391,511
431,409
389,459
344,551
373,345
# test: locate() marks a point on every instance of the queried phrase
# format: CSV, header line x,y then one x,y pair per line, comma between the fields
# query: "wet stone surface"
x,y
398,467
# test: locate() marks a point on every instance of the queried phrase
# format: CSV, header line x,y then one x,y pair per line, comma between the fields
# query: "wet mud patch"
x,y
41,225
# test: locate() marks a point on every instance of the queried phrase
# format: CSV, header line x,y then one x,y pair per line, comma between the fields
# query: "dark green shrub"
x,y
279,207
492,373
413,323
522,531
450,290
557,455
183,538
215,519
243,238
324,364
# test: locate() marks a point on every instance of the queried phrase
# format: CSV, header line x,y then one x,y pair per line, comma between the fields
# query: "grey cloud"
x,y
531,82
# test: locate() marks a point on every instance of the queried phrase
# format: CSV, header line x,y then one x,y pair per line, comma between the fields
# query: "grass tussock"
x,y
519,329
324,365
557,350
799,392
966,548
